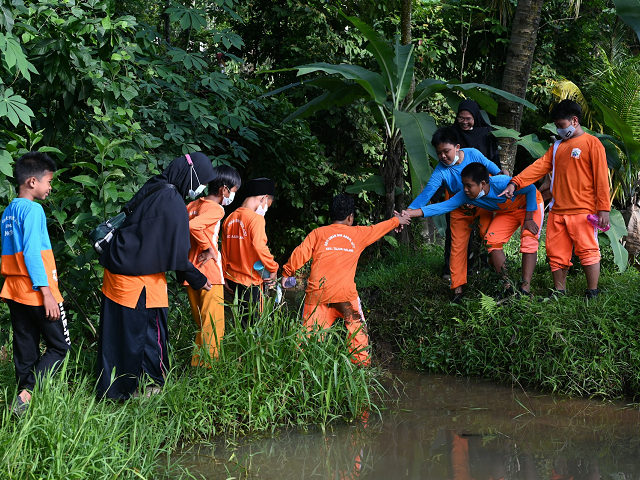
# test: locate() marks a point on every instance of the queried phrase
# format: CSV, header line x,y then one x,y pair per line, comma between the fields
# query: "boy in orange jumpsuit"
x,y
579,186
244,242
205,215
331,290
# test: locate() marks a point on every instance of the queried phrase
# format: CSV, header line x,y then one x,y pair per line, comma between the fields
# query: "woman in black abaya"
x,y
154,239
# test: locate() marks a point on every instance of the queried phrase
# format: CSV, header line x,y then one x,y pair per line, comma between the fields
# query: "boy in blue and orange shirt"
x,y
525,211
31,281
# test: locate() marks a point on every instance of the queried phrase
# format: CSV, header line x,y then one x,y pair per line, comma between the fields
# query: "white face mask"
x,y
480,194
262,210
455,160
227,200
198,191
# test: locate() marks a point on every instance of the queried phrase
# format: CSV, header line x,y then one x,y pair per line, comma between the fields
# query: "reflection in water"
x,y
446,428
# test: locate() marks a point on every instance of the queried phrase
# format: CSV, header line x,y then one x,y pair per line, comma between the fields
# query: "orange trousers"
x,y
207,310
566,232
324,316
461,220
506,222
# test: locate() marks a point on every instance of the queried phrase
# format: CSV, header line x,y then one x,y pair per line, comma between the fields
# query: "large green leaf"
x,y
380,49
615,233
404,62
629,12
5,163
497,91
342,94
621,129
536,147
485,102
15,108
372,82
374,183
417,130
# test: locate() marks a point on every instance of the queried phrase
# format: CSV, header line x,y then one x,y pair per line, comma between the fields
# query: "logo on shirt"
x,y
243,231
342,249
575,153
54,274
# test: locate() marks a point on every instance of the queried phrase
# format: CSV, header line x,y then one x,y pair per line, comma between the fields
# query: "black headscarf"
x,y
154,238
479,136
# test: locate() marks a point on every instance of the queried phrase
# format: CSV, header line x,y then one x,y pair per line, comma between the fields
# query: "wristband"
x,y
512,183
528,219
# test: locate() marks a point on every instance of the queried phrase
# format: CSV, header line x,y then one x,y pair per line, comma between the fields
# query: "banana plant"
x,y
395,107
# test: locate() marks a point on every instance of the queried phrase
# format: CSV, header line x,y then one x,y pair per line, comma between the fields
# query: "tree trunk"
x,y
167,23
392,172
516,73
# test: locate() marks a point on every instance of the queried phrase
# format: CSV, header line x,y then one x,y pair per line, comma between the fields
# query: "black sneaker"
x,y
590,293
457,298
523,293
554,294
19,406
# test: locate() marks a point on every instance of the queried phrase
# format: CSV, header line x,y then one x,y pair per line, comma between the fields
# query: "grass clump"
x,y
272,374
565,345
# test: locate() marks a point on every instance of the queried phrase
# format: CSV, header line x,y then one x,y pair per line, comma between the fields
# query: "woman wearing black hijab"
x,y
474,132
154,239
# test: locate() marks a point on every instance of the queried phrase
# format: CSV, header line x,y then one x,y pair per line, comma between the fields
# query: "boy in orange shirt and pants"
x,y
580,186
205,215
331,290
244,242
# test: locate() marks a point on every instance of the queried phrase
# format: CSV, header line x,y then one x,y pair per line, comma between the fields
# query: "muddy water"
x,y
446,428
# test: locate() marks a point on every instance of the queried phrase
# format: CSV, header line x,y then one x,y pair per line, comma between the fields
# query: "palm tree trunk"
x,y
516,73
392,172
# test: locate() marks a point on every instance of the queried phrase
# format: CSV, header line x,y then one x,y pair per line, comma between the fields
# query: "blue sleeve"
x,y
450,205
530,192
432,186
34,229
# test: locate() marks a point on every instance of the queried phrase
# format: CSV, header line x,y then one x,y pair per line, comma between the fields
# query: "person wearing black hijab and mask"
x,y
473,132
154,239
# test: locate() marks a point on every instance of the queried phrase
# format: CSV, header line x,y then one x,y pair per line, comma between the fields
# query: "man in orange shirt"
x,y
244,242
205,218
579,187
331,290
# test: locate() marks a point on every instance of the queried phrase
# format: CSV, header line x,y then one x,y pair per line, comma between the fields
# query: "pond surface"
x,y
446,428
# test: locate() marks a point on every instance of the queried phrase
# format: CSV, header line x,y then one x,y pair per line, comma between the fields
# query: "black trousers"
x,y
29,324
249,300
131,342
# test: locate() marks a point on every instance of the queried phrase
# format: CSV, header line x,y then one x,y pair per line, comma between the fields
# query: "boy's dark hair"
x,y
224,175
445,135
33,164
566,109
341,207
477,172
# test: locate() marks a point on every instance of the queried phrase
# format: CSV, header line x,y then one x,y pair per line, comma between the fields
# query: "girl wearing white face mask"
x,y
205,217
244,242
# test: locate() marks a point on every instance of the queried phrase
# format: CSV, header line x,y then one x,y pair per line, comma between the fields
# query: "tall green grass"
x,y
272,374
567,346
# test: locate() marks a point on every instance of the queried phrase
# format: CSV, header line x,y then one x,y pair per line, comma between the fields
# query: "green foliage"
x,y
566,345
272,374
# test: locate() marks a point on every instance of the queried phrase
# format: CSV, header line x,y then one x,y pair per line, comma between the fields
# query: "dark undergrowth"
x,y
566,345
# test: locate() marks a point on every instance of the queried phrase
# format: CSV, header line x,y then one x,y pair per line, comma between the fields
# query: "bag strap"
x,y
553,170
130,208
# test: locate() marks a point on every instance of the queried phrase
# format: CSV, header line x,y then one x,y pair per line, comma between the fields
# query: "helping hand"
x,y
508,192
271,281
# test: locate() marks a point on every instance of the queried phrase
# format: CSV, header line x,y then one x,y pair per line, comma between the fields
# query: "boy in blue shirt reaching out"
x,y
525,210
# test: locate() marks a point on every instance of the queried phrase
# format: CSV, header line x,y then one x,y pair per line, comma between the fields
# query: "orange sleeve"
x,y
601,176
300,256
259,241
368,235
199,224
535,171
